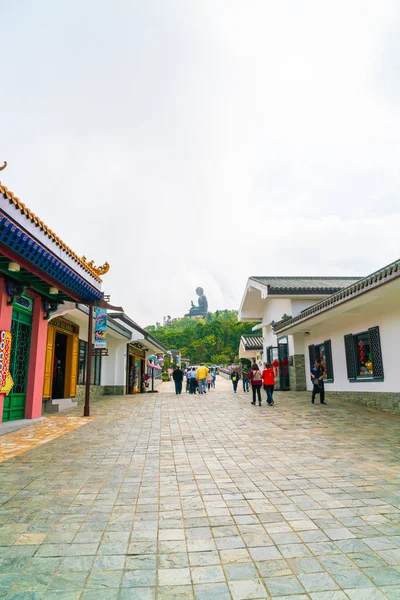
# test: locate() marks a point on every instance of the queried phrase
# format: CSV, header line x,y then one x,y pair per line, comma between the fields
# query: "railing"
x,y
225,372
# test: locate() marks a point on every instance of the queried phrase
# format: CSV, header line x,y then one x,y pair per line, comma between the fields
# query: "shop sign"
x,y
6,381
64,325
100,352
100,328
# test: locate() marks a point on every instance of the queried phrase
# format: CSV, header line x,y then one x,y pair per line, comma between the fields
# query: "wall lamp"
x,y
14,267
53,291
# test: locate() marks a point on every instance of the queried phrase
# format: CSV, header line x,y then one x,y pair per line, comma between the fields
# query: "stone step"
x,y
59,405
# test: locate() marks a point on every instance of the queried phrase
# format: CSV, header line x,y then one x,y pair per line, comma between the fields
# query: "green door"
x,y
14,403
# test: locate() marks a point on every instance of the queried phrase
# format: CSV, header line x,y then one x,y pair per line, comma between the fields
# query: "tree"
x,y
214,339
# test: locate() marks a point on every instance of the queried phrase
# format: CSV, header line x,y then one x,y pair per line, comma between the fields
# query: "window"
x,y
364,355
82,363
95,375
272,354
322,352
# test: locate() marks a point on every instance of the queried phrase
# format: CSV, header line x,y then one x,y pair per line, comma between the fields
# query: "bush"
x,y
165,377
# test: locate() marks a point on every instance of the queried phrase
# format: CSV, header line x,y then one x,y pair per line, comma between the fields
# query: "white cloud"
x,y
196,143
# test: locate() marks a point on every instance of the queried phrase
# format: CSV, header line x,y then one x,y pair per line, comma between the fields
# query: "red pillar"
x,y
5,325
37,357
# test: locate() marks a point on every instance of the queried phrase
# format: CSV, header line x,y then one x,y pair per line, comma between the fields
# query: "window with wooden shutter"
x,y
311,354
364,355
328,359
323,352
376,352
350,356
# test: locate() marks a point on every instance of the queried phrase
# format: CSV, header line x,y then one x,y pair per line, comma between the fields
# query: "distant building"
x,y
251,347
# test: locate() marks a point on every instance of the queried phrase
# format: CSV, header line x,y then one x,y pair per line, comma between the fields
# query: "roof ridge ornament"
x,y
101,270
4,166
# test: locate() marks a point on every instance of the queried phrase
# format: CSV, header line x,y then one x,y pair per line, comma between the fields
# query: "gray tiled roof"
x,y
308,285
252,341
376,279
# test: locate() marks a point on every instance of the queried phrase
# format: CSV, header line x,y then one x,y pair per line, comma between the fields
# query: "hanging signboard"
x,y
100,328
6,381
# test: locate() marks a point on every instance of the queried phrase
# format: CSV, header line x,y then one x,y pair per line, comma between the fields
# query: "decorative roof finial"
x,y
4,166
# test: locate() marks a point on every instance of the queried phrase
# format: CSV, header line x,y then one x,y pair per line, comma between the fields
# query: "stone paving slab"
x,y
30,436
165,497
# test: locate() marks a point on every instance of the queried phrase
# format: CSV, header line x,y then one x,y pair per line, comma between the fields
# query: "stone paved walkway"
x,y
209,498
31,436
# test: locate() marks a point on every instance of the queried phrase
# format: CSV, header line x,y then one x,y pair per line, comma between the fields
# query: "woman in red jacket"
x,y
256,383
269,382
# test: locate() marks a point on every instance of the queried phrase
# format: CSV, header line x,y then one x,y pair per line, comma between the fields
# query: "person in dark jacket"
x,y
317,374
245,379
256,383
177,376
235,376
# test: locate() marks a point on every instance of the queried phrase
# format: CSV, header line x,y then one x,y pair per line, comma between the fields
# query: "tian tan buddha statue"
x,y
202,308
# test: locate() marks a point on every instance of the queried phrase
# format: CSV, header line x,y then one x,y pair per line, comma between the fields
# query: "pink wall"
x,y
34,392
5,325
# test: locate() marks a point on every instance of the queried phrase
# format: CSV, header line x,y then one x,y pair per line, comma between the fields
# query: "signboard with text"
x,y
6,381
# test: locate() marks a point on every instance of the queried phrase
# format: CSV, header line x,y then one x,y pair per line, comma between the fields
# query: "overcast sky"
x,y
198,142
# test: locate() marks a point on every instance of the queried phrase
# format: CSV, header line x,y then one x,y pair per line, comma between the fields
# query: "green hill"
x,y
214,339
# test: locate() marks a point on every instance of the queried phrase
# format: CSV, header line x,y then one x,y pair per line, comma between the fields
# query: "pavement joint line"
x,y
321,494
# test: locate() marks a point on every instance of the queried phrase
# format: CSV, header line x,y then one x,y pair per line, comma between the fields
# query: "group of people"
x,y
256,379
266,379
197,380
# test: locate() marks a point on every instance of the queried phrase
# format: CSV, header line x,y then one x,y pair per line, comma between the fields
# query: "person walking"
x,y
177,376
235,376
209,380
187,379
256,383
245,378
269,383
192,380
214,377
317,374
201,375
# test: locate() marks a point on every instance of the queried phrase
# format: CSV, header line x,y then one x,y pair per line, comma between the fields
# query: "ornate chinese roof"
x,y
304,285
89,267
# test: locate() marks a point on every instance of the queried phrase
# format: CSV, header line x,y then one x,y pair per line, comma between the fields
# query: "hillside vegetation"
x,y
214,339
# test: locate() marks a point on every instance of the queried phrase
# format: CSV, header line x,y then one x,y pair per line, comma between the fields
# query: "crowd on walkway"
x,y
257,379
198,380
202,379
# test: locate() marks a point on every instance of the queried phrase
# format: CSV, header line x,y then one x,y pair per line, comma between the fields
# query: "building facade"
x,y
38,272
251,347
268,300
354,333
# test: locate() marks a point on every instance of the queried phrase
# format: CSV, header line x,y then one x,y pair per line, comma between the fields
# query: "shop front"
x,y
61,364
135,369
38,273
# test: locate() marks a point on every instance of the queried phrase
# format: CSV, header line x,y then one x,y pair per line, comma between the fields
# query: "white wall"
x,y
299,304
387,317
275,308
113,366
